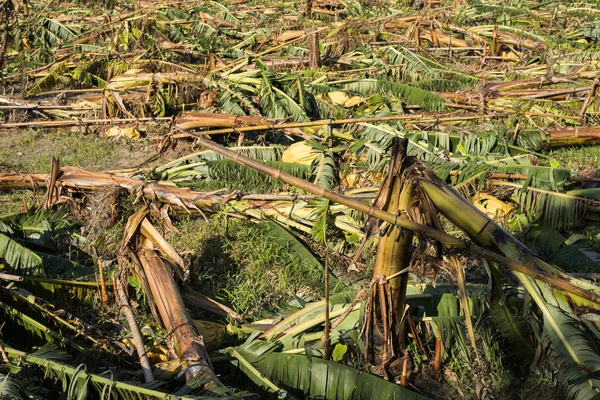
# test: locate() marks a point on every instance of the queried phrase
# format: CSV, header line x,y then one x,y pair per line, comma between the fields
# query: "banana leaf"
x,y
314,377
77,383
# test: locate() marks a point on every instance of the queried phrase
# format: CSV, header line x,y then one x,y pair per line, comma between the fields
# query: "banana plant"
x,y
28,240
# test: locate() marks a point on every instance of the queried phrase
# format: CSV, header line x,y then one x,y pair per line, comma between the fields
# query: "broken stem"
x,y
135,331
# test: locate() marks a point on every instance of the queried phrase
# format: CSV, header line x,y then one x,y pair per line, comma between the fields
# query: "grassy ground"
x,y
583,161
32,151
240,265
14,202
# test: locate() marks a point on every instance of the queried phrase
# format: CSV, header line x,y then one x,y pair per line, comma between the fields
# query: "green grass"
x,y
241,265
581,160
32,151
12,202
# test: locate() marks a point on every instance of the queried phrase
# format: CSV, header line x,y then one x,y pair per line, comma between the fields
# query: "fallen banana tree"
x,y
560,319
79,179
158,274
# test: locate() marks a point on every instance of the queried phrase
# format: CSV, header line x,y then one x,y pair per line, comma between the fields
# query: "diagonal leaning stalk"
x,y
557,282
487,233
328,194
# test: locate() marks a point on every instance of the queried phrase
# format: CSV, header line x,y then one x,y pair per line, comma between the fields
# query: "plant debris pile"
x,y
320,199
